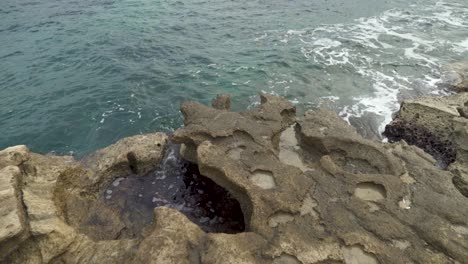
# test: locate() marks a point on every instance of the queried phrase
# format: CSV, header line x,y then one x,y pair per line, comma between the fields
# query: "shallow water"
x,y
78,75
125,208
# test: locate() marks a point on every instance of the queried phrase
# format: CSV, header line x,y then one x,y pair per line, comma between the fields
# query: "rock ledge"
x,y
311,190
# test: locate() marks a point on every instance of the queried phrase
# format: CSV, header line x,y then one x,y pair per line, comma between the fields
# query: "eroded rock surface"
x,y
311,190
439,125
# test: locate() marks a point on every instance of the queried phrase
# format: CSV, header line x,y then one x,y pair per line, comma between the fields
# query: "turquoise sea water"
x,y
78,75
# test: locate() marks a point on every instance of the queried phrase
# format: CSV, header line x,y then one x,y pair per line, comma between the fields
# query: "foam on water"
x,y
77,76
398,54
461,46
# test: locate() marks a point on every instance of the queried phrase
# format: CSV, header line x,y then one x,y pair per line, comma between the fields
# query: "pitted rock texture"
x,y
311,189
439,125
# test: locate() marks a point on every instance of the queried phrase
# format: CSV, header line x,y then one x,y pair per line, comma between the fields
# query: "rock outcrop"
x,y
311,189
456,74
439,125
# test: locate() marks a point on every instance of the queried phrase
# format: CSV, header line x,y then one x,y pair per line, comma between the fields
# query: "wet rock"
x,y
440,148
80,187
367,125
310,189
456,75
439,126
125,207
429,123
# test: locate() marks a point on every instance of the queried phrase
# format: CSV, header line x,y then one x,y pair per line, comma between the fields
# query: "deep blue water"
x,y
78,75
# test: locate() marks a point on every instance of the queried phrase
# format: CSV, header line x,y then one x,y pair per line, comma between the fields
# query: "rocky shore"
x,y
307,189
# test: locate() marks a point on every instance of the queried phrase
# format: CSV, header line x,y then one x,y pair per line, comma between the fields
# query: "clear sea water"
x,y
76,76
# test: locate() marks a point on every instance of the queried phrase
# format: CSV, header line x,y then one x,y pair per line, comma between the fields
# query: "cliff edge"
x,y
310,188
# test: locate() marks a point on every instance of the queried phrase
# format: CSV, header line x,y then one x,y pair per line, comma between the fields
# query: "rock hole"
x,y
289,149
352,164
369,191
125,208
263,179
280,218
132,162
235,153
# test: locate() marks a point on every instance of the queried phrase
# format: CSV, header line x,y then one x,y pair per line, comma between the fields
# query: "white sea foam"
x,y
331,98
462,46
394,52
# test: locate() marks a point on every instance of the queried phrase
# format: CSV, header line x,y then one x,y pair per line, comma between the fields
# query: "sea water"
x,y
76,76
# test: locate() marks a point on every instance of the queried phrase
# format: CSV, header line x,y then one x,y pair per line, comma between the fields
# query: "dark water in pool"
x,y
175,184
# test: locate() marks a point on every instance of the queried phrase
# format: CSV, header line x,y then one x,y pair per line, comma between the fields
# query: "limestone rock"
x,y
174,239
439,126
13,227
311,189
340,187
13,156
78,186
456,74
222,102
57,191
429,123
137,154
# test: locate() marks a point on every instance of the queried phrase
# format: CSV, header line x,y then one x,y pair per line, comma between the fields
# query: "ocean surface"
x,y
76,76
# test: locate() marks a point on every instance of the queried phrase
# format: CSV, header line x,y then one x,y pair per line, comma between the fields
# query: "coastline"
x,y
311,189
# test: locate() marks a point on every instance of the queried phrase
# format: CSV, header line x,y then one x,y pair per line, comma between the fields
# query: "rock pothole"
x,y
353,165
263,179
289,149
235,153
124,209
280,218
369,191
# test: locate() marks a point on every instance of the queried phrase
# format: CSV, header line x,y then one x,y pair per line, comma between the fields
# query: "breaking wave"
x,y
396,55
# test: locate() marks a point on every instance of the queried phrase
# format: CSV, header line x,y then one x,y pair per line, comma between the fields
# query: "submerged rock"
x,y
310,188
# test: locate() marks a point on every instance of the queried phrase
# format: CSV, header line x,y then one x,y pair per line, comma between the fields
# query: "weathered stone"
x,y
13,227
367,125
429,123
311,189
78,187
57,191
456,74
439,126
174,239
138,154
13,156
222,102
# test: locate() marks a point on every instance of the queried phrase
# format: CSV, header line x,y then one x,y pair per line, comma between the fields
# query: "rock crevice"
x,y
311,190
